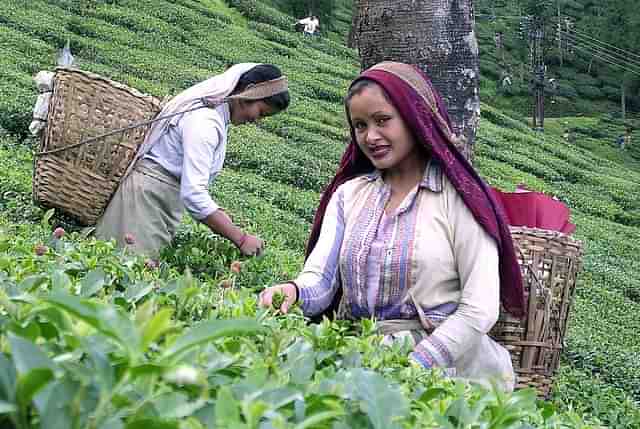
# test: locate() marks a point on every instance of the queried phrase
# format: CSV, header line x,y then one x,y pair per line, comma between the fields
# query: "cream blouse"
x,y
435,256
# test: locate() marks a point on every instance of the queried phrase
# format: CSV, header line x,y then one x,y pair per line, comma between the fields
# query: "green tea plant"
x,y
95,337
91,336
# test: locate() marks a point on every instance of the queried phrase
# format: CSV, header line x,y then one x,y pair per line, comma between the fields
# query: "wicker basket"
x,y
550,262
80,179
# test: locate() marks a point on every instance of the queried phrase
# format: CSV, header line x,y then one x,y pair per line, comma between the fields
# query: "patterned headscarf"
x,y
422,109
213,91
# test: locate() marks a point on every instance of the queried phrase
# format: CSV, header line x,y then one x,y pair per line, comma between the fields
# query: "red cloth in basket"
x,y
535,210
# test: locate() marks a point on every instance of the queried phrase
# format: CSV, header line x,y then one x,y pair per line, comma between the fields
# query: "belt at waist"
x,y
155,170
388,327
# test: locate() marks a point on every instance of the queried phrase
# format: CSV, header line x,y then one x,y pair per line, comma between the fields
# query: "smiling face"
x,y
243,111
380,131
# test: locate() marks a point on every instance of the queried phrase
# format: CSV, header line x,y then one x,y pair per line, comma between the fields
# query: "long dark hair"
x,y
262,73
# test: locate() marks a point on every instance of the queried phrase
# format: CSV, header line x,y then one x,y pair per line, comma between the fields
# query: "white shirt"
x,y
193,150
310,25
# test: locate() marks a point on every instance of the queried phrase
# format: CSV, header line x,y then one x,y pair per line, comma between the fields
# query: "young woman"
x,y
408,233
183,154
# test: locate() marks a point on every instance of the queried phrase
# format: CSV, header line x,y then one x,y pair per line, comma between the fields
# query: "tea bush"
x,y
567,89
589,91
88,324
597,398
586,80
490,70
611,92
81,305
275,34
258,11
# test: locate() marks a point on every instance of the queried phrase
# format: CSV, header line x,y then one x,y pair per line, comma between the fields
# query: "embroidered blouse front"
x,y
429,253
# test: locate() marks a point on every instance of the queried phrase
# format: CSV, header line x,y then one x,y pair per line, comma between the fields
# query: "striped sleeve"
x,y
317,282
432,352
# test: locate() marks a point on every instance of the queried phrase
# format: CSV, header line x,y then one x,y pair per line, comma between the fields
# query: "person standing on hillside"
x,y
569,136
311,24
627,138
408,233
498,40
506,81
183,154
620,141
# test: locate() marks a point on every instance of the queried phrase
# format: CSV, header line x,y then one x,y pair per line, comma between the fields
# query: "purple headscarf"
x,y
422,109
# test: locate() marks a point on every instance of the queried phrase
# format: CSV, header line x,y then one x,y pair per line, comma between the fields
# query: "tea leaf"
x,y
93,282
209,331
7,407
30,383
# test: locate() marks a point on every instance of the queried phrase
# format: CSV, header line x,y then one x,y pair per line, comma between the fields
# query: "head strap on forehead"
x,y
263,90
412,77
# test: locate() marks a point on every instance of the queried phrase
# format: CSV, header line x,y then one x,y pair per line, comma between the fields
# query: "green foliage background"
x,y
274,175
598,58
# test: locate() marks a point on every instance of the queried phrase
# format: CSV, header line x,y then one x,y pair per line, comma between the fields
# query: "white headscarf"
x,y
214,90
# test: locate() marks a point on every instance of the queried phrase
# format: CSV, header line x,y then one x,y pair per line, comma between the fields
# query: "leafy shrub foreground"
x,y
279,167
94,337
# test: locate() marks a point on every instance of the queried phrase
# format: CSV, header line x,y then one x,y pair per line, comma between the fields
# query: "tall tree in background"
x,y
622,22
605,33
351,37
436,35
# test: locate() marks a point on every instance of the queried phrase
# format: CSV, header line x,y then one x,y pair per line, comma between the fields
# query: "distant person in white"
x,y
183,154
311,24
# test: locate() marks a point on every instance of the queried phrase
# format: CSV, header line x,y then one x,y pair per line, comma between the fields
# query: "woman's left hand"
x,y
289,291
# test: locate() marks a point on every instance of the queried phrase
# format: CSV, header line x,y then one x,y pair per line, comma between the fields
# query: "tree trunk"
x,y
623,101
559,24
436,35
351,38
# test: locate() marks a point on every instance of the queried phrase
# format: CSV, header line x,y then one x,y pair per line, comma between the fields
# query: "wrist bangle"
x,y
297,290
242,240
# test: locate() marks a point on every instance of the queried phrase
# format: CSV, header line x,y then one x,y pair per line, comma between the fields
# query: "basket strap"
x,y
120,130
537,344
424,320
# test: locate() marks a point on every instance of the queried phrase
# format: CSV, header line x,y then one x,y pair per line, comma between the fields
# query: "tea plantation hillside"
x,y
585,84
91,336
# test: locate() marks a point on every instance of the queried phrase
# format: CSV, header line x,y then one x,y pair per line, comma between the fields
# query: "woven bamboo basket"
x,y
550,262
80,179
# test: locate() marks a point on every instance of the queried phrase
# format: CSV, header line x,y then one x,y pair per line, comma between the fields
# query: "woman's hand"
x,y
220,223
250,245
288,290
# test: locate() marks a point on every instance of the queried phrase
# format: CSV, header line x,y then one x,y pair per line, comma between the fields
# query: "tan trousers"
x,y
147,206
